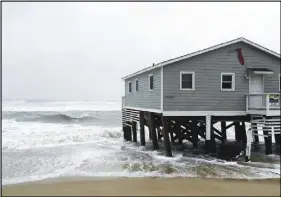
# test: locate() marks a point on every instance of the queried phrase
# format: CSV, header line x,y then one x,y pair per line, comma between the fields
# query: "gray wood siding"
x,y
144,98
208,67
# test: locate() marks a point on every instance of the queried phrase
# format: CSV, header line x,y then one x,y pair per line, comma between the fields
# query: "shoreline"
x,y
144,186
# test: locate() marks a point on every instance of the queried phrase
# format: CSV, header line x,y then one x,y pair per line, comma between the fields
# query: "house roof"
x,y
260,70
167,62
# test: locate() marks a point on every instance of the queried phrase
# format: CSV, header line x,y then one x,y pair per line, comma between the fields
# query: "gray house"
x,y
237,80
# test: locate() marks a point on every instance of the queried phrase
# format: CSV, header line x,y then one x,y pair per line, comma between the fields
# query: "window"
x,y
227,81
151,82
187,80
130,87
137,85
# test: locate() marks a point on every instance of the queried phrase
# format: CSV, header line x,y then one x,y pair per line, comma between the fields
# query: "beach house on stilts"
x,y
182,98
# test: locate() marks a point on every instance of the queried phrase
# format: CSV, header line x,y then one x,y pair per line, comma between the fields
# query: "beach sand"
x,y
146,186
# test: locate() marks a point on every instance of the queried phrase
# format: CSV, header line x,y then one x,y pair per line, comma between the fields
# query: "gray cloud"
x,y
80,51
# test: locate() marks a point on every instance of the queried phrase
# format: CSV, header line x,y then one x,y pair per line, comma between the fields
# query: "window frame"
x,y
193,80
130,82
136,86
232,82
151,74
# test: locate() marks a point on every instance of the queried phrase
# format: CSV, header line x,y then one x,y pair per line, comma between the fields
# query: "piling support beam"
x,y
134,130
167,142
142,134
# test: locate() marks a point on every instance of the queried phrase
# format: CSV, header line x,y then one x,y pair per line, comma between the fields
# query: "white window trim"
x,y
130,82
233,82
193,80
149,82
137,80
279,83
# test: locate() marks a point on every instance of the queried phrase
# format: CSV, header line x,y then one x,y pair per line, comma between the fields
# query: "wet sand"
x,y
145,186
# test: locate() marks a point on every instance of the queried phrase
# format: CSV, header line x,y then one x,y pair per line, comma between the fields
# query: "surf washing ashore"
x,y
80,145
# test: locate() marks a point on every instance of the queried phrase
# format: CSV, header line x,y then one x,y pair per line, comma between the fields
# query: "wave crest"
x,y
61,118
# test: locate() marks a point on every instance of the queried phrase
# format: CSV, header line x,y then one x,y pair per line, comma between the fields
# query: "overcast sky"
x,y
80,51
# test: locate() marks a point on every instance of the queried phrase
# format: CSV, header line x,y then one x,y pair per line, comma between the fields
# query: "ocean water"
x,y
51,139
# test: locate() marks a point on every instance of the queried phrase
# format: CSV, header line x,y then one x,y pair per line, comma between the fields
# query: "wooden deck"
x,y
267,104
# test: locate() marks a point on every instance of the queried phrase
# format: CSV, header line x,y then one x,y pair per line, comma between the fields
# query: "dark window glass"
x,y
226,85
137,85
130,87
186,81
151,82
227,78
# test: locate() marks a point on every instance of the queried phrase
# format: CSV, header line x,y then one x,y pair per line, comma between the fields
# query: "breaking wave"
x,y
60,118
65,117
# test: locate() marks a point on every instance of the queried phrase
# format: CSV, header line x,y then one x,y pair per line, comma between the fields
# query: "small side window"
x,y
130,87
187,80
137,85
227,81
151,82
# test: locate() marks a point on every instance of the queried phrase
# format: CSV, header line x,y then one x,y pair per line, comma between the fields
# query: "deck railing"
x,y
265,101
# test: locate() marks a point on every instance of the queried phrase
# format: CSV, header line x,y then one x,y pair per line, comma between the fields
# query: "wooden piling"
x,y
125,132
237,131
178,131
223,131
158,133
249,137
267,140
129,132
243,135
277,139
210,143
167,143
213,140
152,129
142,134
170,125
194,131
134,130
